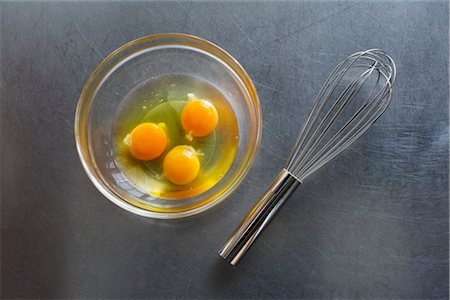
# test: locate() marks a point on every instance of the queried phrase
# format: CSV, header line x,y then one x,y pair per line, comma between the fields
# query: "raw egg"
x,y
199,118
186,140
181,165
147,141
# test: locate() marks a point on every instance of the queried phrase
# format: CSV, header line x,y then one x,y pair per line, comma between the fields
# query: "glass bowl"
x,y
129,66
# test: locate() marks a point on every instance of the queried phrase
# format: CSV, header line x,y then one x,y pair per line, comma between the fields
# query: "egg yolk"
x,y
199,118
181,165
147,141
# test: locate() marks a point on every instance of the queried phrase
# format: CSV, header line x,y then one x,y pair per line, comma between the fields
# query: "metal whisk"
x,y
357,92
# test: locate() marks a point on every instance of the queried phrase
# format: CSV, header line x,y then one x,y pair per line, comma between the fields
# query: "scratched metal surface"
x,y
372,224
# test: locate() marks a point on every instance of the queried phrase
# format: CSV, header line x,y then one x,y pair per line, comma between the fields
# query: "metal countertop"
x,y
372,223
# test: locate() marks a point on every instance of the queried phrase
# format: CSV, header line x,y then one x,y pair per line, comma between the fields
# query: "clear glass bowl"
x,y
134,63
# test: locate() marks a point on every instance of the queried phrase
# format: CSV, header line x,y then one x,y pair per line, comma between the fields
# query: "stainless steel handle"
x,y
258,218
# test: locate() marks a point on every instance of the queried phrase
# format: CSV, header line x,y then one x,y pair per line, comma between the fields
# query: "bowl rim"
x,y
85,99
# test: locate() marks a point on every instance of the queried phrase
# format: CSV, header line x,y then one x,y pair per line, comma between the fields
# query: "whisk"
x,y
357,92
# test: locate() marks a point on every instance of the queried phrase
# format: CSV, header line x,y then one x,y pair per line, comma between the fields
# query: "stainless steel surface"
x,y
354,96
372,224
258,218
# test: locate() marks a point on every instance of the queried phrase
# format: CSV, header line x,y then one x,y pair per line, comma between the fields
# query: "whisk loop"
x,y
354,96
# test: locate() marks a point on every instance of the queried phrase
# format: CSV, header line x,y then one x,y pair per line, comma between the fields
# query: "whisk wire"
x,y
333,148
358,125
318,105
310,153
338,137
325,93
322,129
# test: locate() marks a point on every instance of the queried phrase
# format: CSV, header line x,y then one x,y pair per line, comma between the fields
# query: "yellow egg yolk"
x,y
147,141
199,118
181,165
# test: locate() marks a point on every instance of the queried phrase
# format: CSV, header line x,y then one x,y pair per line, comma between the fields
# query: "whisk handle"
x,y
258,218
